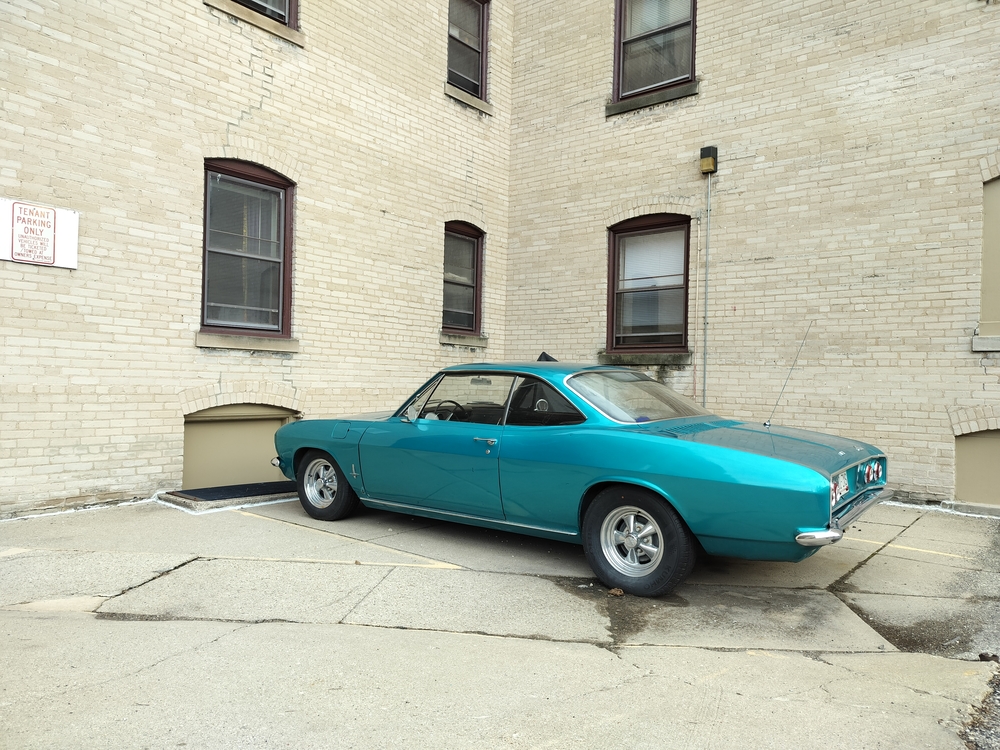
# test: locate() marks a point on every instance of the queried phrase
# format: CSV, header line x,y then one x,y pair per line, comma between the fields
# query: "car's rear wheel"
x,y
635,541
323,488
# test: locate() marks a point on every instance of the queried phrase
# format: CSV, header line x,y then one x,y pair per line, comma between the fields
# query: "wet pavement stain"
x,y
627,614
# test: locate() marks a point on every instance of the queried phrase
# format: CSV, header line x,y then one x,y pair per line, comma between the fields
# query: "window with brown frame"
x,y
283,11
648,284
654,45
468,21
248,250
463,263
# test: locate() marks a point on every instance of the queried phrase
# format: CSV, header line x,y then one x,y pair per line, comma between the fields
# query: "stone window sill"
x,y
657,359
464,339
648,100
261,22
246,343
468,99
986,343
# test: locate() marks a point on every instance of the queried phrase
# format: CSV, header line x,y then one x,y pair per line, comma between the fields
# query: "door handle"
x,y
488,441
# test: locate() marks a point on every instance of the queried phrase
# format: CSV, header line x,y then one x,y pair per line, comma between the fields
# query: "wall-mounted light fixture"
x,y
709,160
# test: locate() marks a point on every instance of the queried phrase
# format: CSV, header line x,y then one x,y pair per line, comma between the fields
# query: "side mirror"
x,y
411,414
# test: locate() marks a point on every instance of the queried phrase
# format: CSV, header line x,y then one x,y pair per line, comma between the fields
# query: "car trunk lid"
x,y
827,454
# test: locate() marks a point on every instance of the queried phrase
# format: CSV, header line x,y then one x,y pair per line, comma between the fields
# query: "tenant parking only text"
x,y
33,234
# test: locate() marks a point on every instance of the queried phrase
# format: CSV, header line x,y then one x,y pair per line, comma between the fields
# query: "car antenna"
x,y
546,357
768,422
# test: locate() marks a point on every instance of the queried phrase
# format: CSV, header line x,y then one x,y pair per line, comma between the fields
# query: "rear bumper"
x,y
845,516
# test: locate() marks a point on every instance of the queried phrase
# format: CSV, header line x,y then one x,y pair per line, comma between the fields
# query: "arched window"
x,y
648,284
247,276
463,279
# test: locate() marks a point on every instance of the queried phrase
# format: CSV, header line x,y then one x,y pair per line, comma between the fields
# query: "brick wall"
x,y
111,108
853,144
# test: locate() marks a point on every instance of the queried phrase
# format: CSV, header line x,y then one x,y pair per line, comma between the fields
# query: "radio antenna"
x,y
768,422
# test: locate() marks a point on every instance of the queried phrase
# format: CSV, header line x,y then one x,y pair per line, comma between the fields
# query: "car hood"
x,y
371,416
827,454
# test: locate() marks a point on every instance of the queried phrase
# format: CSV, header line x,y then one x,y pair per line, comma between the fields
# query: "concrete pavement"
x,y
143,625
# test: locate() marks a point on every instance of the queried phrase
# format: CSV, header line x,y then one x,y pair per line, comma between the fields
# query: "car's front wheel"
x,y
635,541
323,488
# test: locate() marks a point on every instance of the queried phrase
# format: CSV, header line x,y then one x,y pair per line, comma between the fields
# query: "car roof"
x,y
548,369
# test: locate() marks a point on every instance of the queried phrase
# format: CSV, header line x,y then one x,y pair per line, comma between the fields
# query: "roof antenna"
x,y
768,422
546,357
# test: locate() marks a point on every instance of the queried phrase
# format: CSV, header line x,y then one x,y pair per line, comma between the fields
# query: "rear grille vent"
x,y
696,427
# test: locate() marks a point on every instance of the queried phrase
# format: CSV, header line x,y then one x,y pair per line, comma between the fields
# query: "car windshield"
x,y
628,396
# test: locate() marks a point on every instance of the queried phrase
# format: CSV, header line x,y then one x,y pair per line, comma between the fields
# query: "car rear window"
x,y
629,396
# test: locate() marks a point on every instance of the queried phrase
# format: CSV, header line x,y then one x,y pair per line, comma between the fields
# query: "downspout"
x,y
709,165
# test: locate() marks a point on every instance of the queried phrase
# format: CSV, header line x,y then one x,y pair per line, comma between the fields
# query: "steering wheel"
x,y
460,411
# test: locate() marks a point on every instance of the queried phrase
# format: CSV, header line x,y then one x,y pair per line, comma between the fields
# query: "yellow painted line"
x,y
14,551
909,549
768,654
428,562
431,565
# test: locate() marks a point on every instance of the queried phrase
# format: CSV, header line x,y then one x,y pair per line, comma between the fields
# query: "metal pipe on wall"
x,y
704,335
709,165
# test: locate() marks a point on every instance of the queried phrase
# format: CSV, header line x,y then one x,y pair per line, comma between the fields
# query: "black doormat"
x,y
231,491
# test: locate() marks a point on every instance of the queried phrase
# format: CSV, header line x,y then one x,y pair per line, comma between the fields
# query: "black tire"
x,y
636,542
323,489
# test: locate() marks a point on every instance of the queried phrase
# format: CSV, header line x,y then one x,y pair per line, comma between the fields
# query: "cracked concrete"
x,y
144,626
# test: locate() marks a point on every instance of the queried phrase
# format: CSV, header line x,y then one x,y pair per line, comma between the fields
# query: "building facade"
x,y
283,207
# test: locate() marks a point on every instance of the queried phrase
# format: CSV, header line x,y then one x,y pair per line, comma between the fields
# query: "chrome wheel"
x,y
631,541
319,483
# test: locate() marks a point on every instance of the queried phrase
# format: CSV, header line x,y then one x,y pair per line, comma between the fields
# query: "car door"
x,y
446,458
547,460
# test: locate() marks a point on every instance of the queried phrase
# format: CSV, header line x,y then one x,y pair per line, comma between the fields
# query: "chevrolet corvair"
x,y
602,456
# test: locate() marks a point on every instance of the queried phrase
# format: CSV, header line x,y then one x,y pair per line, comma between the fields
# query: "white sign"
x,y
39,235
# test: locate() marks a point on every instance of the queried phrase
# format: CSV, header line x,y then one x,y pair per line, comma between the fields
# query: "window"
x,y
467,24
469,397
631,397
248,249
647,284
463,260
655,45
535,403
282,11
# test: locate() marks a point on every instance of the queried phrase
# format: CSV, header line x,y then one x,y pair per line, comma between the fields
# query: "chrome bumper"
x,y
840,522
819,538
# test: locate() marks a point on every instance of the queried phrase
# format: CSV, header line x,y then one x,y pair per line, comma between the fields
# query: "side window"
x,y
468,397
282,11
537,404
654,46
246,285
648,284
463,263
468,21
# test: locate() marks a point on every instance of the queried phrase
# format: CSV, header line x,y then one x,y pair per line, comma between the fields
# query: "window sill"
x,y
261,22
648,100
248,343
468,99
986,343
464,339
638,359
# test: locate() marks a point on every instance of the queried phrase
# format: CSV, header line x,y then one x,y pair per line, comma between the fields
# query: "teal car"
x,y
602,456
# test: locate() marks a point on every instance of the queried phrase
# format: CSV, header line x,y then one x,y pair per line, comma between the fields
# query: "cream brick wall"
x,y
111,108
853,143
